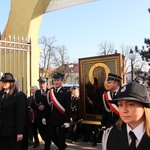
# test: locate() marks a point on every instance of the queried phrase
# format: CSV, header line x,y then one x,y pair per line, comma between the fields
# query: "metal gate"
x,y
15,57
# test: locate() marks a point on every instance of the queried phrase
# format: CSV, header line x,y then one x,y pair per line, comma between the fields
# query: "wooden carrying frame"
x,y
93,72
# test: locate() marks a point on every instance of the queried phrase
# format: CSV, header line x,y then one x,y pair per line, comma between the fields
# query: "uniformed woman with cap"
x,y
132,131
12,114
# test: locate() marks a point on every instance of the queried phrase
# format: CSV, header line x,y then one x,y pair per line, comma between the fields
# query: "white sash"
x,y
113,107
105,138
55,102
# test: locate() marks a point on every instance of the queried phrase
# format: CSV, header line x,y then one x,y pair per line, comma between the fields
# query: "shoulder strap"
x,y
104,102
105,138
48,96
55,102
113,107
35,100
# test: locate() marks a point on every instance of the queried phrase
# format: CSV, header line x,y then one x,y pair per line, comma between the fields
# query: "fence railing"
x,y
15,57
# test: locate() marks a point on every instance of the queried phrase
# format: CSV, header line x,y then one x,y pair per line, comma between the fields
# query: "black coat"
x,y
12,114
56,118
118,140
75,111
108,118
40,99
27,119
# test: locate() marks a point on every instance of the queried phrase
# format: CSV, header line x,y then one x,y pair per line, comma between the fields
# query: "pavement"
x,y
79,145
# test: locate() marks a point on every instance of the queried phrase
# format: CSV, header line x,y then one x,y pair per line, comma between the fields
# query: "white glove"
x,y
66,125
103,127
44,121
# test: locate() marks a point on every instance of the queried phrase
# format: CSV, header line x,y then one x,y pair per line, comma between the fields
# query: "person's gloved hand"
x,y
44,121
66,125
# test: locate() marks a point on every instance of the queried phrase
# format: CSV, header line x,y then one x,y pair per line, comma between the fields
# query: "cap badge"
x,y
123,89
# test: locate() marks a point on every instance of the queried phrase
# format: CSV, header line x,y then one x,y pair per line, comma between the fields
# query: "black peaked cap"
x,y
43,80
113,77
58,76
7,77
133,91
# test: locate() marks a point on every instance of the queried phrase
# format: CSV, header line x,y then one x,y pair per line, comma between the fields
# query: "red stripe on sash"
x,y
55,102
112,106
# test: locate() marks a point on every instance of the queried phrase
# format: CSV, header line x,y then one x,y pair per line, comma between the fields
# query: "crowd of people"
x,y
54,115
47,112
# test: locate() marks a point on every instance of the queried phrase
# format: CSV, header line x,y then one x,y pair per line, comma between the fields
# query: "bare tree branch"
x,y
47,53
106,48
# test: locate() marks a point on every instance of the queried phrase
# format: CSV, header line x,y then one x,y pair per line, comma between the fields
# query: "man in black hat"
x,y
60,113
41,108
110,111
75,113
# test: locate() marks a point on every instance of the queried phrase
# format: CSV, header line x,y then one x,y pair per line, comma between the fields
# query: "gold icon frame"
x,y
93,72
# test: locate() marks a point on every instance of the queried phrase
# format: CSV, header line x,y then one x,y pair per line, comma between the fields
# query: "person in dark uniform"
x,y
132,130
75,114
12,114
27,119
41,108
110,112
33,133
60,112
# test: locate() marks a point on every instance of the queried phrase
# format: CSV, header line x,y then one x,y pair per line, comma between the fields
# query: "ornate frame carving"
x,y
93,72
